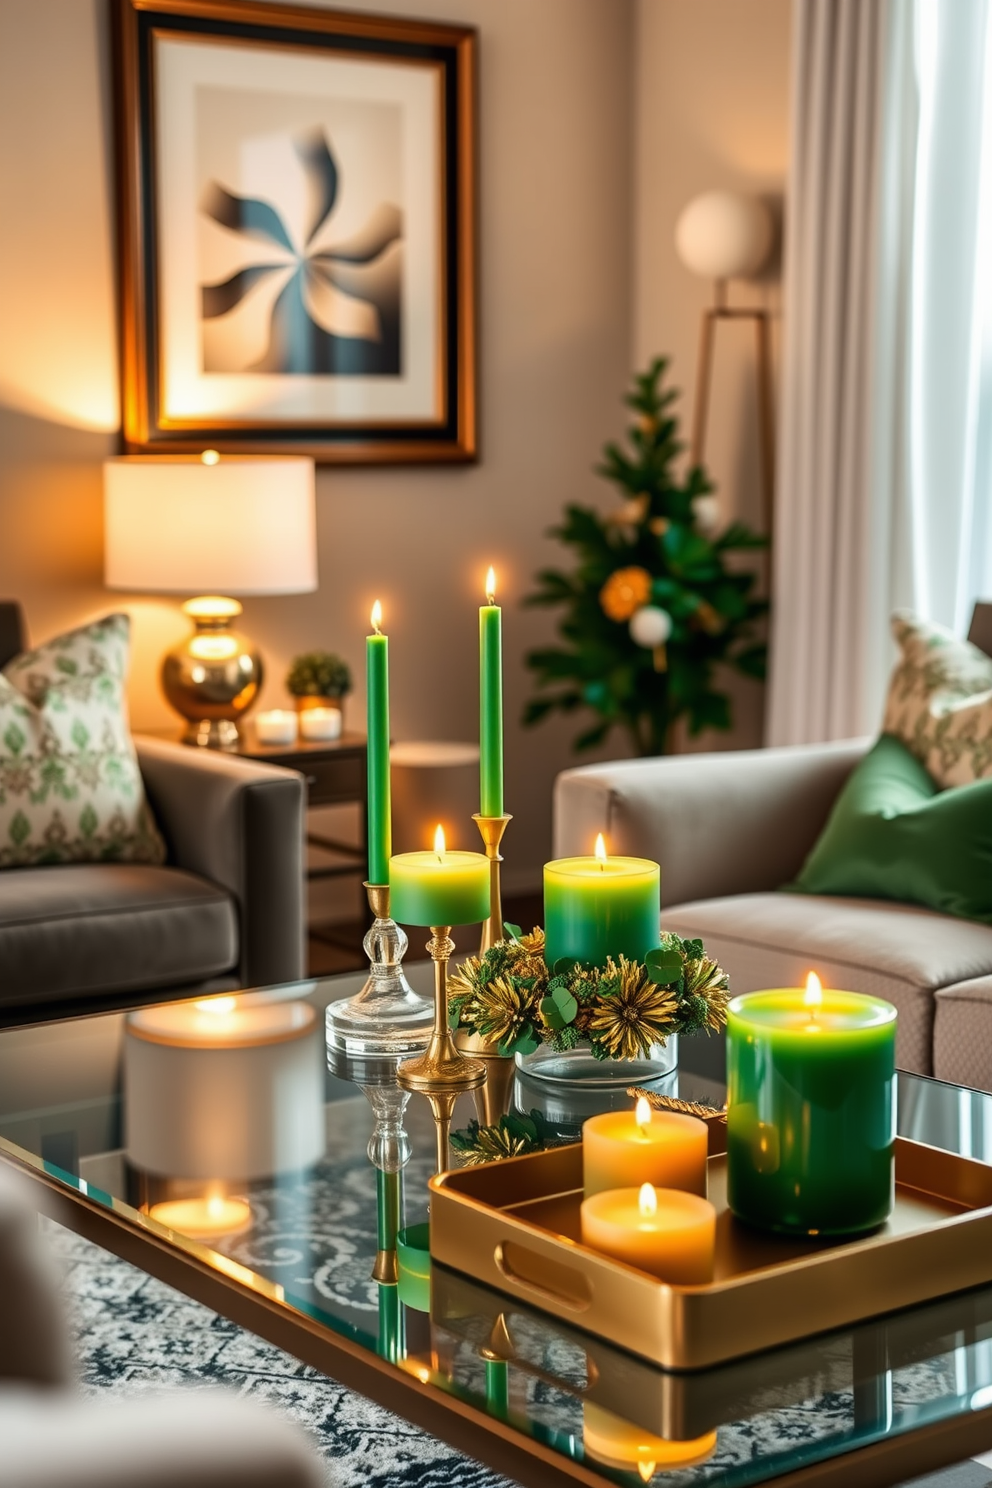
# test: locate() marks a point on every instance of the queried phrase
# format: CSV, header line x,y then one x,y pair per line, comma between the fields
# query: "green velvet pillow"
x,y
894,835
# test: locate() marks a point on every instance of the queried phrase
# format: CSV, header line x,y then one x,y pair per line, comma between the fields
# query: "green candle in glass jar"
x,y
600,906
811,1110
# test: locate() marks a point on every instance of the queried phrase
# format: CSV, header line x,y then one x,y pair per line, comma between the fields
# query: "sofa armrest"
x,y
239,824
736,822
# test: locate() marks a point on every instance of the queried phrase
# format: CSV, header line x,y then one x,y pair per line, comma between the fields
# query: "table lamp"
x,y
211,526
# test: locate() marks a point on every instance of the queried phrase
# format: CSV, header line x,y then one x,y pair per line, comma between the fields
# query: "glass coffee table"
x,y
131,1125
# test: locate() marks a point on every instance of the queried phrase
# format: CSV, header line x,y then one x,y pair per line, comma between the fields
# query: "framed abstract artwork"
x,y
297,217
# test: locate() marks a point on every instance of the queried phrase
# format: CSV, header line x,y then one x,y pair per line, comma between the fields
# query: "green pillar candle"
x,y
377,694
600,906
439,887
811,1110
490,704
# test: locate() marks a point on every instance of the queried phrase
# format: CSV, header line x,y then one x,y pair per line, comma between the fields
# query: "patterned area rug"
x,y
136,1335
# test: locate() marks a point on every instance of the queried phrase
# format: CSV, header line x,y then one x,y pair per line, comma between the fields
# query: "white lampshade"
x,y
238,525
724,235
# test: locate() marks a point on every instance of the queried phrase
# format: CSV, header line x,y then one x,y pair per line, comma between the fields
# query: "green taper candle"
x,y
600,906
811,1110
377,695
490,703
439,887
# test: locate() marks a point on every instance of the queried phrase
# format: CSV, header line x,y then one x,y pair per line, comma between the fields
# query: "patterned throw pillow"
x,y
70,788
940,701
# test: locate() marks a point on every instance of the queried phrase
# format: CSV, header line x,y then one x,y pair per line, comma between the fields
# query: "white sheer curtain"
x,y
885,494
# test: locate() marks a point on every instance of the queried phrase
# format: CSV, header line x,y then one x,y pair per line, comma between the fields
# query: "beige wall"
x,y
555,311
563,161
711,85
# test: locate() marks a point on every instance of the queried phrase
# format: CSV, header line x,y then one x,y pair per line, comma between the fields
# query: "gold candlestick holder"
x,y
441,1067
492,829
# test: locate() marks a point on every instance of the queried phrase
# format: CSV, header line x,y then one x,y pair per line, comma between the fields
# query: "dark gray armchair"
x,y
226,910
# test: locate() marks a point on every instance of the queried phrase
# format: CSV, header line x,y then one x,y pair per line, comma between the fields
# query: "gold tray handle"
x,y
543,1275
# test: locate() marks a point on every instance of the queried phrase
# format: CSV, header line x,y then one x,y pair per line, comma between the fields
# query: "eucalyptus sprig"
x,y
511,997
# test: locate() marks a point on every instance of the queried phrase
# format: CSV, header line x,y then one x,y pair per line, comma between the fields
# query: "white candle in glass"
x,y
278,726
321,723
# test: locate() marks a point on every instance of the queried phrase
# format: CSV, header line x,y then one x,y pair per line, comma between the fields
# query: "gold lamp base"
x,y
213,677
441,1068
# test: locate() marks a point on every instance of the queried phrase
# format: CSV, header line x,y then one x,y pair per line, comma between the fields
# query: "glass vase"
x,y
578,1066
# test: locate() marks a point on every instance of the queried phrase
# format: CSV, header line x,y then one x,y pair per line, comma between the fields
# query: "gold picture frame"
x,y
296,207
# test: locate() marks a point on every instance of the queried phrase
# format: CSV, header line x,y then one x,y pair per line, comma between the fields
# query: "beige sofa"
x,y
729,830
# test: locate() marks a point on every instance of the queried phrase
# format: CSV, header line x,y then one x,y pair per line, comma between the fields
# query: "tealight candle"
x,y
811,1110
600,906
277,726
203,1219
321,723
621,1149
661,1230
439,887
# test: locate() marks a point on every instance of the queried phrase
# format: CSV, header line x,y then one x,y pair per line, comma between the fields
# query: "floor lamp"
x,y
725,235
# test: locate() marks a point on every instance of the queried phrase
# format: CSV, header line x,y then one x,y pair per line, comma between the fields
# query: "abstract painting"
x,y
297,204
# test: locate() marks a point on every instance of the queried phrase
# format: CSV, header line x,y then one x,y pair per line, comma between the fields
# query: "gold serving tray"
x,y
514,1225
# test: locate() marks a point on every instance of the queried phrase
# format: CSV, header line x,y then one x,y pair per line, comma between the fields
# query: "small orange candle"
x,y
623,1149
662,1230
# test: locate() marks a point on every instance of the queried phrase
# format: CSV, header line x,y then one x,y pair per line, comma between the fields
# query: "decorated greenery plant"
x,y
653,605
621,1010
318,674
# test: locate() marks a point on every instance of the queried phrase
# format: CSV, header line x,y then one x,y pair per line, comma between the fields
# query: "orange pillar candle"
x,y
623,1149
662,1230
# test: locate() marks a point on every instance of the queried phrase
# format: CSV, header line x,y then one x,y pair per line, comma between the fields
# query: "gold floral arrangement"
x,y
511,997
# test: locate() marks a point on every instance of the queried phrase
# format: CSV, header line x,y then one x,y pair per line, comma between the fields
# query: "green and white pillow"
x,y
940,701
70,787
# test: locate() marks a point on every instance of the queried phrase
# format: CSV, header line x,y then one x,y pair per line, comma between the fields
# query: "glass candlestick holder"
x,y
387,1016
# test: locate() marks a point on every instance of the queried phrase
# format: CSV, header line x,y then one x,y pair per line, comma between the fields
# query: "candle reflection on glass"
x,y
205,1218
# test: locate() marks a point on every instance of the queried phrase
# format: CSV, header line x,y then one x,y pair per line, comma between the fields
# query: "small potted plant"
x,y
318,679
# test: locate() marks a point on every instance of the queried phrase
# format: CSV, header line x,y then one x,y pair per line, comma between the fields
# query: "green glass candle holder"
x,y
811,1111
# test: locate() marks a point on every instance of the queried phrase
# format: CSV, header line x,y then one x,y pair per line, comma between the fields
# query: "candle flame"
x,y
377,617
491,585
600,848
209,457
646,1470
647,1201
813,995
215,1205
219,1006
642,1113
439,846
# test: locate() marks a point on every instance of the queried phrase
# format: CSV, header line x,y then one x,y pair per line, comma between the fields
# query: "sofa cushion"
x,y
940,701
962,1033
893,835
110,927
895,951
70,787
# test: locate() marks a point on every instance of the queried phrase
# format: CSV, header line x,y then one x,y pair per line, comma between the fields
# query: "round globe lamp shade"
x,y
724,235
